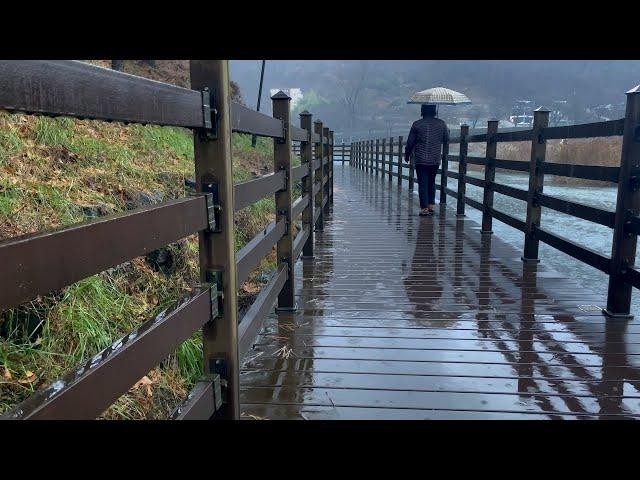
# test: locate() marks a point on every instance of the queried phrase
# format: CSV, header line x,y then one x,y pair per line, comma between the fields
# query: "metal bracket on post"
x,y
214,282
210,116
217,389
218,367
214,209
284,134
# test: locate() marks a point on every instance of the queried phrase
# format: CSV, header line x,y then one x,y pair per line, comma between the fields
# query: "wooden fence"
x,y
376,157
43,262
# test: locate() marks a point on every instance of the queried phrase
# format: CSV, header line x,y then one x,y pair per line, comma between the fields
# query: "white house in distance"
x,y
294,93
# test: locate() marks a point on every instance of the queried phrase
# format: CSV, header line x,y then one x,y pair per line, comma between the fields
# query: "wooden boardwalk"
x,y
403,317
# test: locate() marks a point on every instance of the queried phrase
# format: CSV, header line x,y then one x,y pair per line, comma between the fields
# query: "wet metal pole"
x,y
253,137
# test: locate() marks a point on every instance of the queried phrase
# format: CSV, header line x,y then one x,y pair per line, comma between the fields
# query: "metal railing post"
x,y
325,168
390,160
284,199
377,156
306,154
536,184
443,175
351,155
489,175
400,162
462,169
623,249
319,153
384,156
331,166
214,175
368,154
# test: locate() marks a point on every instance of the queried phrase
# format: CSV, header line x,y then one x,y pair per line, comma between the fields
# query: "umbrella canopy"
x,y
439,96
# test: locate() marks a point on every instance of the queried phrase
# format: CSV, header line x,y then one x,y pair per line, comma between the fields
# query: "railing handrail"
x,y
624,221
50,260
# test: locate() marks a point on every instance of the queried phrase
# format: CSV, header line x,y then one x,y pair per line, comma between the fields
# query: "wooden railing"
x,y
40,263
377,157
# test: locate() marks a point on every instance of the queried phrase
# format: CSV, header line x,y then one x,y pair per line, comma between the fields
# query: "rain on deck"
x,y
408,317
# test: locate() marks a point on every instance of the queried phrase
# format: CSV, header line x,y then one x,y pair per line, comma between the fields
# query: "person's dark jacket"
x,y
425,140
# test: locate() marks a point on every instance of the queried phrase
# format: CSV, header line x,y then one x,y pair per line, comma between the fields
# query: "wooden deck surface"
x,y
403,317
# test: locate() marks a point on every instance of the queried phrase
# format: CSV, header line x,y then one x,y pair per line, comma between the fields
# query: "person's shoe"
x,y
424,212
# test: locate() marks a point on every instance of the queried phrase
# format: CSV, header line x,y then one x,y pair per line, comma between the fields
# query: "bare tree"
x,y
475,113
352,78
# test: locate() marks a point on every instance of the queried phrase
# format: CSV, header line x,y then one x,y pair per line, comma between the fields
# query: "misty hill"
x,y
493,86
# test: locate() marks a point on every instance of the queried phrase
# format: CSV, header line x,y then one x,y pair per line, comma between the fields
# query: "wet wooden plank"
x,y
402,317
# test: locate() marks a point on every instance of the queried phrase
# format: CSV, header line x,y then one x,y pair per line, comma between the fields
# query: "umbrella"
x,y
439,96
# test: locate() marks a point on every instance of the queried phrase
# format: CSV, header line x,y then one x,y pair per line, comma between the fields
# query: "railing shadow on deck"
x,y
522,329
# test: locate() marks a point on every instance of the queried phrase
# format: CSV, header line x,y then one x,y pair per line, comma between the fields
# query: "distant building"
x,y
294,93
558,114
522,113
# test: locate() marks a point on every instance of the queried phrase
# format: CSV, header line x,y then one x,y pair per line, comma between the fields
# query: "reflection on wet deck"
x,y
403,317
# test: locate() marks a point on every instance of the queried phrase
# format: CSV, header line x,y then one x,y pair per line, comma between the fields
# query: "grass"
x,y
51,170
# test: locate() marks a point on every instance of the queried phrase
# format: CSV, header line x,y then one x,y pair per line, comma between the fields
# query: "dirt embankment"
x,y
60,171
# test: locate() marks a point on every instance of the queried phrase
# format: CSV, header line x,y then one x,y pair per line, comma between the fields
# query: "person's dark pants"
x,y
427,184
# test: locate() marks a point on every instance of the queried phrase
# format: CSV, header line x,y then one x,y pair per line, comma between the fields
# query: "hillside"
x,y
59,171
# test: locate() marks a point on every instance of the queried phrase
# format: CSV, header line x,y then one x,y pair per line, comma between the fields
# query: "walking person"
x,y
425,141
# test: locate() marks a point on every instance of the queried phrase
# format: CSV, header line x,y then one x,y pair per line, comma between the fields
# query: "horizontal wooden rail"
x,y
258,247
587,172
472,160
299,205
584,254
498,215
511,165
298,134
317,163
473,203
299,172
513,136
44,262
610,128
78,89
316,188
249,192
315,137
245,120
201,402
586,212
88,391
509,191
478,182
252,321
507,219
479,137
299,242
632,276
